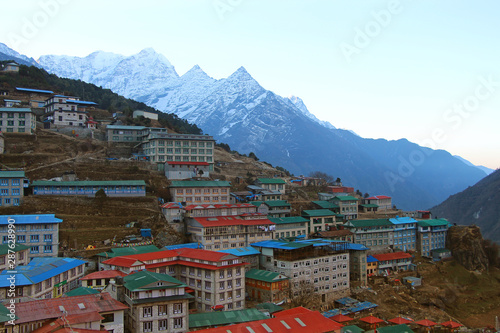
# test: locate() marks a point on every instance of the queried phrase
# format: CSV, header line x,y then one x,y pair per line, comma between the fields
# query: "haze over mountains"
x,y
238,111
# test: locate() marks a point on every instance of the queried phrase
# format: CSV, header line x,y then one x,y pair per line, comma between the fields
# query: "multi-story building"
x,y
376,234
371,265
124,251
86,313
393,262
11,188
220,210
200,192
43,277
38,231
63,110
357,263
186,170
431,235
325,204
218,279
229,232
323,264
260,193
157,302
320,219
112,188
405,233
145,114
278,208
266,286
271,184
13,254
121,133
166,147
17,120
173,212
2,143
383,202
291,226
248,254
348,206
100,280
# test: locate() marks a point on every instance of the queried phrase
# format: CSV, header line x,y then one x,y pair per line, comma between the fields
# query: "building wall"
x,y
358,266
43,239
21,258
179,147
90,191
179,172
267,291
147,317
126,135
145,114
291,230
17,122
319,223
378,240
200,195
431,238
11,191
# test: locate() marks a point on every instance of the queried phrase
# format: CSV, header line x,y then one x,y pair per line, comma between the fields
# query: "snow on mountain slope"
x,y
299,103
6,53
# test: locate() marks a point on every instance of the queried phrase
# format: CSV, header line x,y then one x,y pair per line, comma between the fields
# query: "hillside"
x,y
479,205
237,110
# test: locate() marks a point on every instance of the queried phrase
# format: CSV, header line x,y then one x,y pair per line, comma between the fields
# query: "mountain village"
x,y
251,251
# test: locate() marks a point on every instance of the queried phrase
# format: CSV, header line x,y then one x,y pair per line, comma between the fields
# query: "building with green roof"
x,y
17,120
157,302
80,291
278,208
125,251
208,192
11,188
112,188
376,234
291,226
348,206
222,318
324,204
271,184
21,252
320,219
266,286
431,235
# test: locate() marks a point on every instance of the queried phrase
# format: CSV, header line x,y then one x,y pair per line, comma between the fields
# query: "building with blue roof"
x,y
405,233
35,91
248,254
63,110
11,188
48,277
323,263
40,232
17,120
184,246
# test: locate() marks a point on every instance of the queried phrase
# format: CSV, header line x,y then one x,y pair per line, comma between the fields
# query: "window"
x,y
208,285
34,239
162,310
177,307
147,326
47,249
177,322
108,318
221,285
147,311
47,238
162,325
21,239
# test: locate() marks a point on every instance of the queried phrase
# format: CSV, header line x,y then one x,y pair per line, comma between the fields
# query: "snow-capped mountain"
x,y
6,53
280,130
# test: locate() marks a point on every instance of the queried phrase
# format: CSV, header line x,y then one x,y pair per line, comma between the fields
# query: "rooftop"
x,y
199,183
241,251
378,197
277,203
90,183
15,110
369,223
197,320
146,280
345,198
34,90
123,127
82,291
6,248
230,220
29,219
271,181
44,309
402,220
122,251
290,219
103,275
433,223
325,204
266,276
392,256
12,174
318,212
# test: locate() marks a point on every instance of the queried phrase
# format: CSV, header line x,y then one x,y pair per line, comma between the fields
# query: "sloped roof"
x,y
34,90
378,197
82,291
204,254
15,110
277,203
129,250
433,223
277,244
130,260
290,219
5,248
403,328
266,276
224,318
90,183
325,204
103,275
181,246
199,183
12,174
402,220
44,309
141,280
30,219
345,198
392,256
241,251
318,212
371,259
271,181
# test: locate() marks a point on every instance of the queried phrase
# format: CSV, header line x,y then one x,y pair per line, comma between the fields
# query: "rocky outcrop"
x,y
466,245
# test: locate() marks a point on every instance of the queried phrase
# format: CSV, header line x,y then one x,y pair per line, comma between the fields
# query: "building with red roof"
x,y
393,262
215,278
227,232
91,312
293,322
99,280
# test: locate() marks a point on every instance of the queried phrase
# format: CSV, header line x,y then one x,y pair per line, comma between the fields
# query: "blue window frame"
x,y
4,182
7,201
34,249
17,201
21,238
34,239
47,238
15,182
5,239
47,249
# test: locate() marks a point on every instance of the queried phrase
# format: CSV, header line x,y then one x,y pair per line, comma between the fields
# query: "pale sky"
x,y
423,70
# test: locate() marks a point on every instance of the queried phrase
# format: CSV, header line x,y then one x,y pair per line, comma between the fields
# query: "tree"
x,y
326,178
366,195
302,294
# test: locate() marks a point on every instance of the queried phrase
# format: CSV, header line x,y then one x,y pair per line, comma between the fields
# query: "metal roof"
x,y
6,248
82,291
139,128
402,220
318,212
325,204
200,183
35,90
290,219
433,223
30,219
129,250
369,223
12,174
183,246
15,110
277,203
271,181
241,251
262,275
90,183
70,101
276,244
345,198
224,318
39,269
144,280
